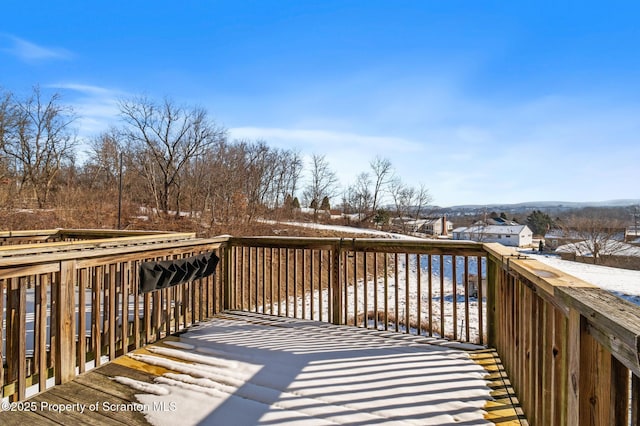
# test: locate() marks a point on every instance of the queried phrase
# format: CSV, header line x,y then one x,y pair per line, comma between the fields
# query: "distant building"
x,y
439,226
508,235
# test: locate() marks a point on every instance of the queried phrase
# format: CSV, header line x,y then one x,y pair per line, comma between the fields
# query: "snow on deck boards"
x,y
249,369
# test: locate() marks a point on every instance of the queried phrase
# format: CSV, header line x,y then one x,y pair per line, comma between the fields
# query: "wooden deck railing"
x,y
571,350
70,309
408,285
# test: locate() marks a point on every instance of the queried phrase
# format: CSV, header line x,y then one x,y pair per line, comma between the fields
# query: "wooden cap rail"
x,y
379,245
92,239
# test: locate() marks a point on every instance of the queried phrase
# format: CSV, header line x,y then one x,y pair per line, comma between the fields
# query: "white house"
x,y
508,235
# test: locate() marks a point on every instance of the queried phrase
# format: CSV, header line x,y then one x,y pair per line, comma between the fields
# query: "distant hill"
x,y
546,204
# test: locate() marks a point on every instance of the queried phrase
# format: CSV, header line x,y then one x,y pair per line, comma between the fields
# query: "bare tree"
x,y
166,137
408,201
593,236
383,174
322,183
37,135
401,195
358,197
5,123
103,163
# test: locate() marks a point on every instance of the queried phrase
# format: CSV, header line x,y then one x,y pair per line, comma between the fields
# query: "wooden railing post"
x,y
16,336
225,250
336,284
65,344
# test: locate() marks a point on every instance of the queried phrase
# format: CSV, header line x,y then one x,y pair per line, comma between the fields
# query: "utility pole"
x,y
120,192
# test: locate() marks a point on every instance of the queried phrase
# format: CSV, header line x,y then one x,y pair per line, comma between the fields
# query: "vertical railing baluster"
x,y
112,311
480,303
396,290
320,269
375,290
365,286
82,321
466,298
311,280
355,287
295,283
96,314
386,291
263,280
42,335
635,400
286,282
418,295
304,286
271,307
328,282
430,292
407,299
454,289
279,282
442,312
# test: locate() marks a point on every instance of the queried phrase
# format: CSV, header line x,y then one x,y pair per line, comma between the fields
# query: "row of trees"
x,y
365,196
170,159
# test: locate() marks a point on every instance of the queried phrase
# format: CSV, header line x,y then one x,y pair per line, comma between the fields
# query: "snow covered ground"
x,y
294,372
343,229
622,282
441,304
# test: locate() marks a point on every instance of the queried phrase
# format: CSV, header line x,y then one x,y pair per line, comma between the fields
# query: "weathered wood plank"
x,y
573,368
65,347
619,394
96,307
22,418
82,321
111,306
635,400
16,317
595,381
612,321
42,331
73,393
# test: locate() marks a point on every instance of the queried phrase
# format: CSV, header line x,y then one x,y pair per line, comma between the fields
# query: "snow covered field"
x,y
441,305
622,282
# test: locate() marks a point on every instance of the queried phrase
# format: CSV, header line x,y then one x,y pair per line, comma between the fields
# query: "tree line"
x,y
172,160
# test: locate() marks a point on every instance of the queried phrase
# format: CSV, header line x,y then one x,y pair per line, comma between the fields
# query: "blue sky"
x,y
482,102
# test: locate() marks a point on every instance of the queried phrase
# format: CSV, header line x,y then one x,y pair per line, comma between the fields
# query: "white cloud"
x,y
28,51
326,139
97,107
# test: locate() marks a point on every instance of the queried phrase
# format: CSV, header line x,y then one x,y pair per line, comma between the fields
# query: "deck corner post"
x,y
336,284
65,344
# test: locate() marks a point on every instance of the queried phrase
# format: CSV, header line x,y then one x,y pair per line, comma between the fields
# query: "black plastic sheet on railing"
x,y
167,273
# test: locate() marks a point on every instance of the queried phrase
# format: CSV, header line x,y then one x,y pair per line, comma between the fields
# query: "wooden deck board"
x,y
98,386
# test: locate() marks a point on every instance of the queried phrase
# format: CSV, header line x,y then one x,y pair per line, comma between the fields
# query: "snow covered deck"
x,y
246,369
